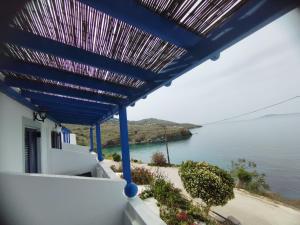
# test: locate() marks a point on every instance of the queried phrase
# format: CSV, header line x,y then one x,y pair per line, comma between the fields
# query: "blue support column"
x,y
91,139
130,188
98,139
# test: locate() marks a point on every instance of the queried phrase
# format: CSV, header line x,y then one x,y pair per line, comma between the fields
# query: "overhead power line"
x,y
253,111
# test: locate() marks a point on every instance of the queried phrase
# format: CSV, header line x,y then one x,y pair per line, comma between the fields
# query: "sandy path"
x,y
248,209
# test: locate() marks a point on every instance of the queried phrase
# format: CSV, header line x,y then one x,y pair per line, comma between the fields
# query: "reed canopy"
x,y
80,60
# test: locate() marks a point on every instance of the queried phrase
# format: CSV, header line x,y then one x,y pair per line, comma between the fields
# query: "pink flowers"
x,y
182,216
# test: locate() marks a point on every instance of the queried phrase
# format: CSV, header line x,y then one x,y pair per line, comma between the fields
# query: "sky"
x,y
260,70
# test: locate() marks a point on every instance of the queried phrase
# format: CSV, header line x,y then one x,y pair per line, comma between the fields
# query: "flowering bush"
x,y
173,216
141,175
165,193
182,216
175,208
208,182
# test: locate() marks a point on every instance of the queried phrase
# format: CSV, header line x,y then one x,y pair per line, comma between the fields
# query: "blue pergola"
x,y
83,61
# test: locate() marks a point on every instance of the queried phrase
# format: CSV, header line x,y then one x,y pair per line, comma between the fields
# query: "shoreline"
x,y
148,143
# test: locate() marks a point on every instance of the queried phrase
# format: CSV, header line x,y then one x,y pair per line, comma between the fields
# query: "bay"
x,y
273,142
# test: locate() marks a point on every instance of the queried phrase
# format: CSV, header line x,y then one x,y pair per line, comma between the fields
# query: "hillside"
x,y
140,132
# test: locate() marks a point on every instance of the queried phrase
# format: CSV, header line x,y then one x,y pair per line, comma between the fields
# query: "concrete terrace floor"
x,y
247,208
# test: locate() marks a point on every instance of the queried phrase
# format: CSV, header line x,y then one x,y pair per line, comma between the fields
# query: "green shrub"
x,y
198,214
141,175
165,193
136,161
244,177
175,209
116,157
174,216
208,182
159,159
247,177
146,194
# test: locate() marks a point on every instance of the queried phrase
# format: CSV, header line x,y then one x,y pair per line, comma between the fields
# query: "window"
x,y
56,140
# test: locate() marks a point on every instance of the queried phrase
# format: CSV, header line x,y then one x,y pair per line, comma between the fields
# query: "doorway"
x,y
32,138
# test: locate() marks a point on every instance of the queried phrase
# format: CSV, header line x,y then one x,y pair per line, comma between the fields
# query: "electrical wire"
x,y
253,111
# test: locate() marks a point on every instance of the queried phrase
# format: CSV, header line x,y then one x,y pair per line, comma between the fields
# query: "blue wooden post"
x,y
130,188
91,139
98,139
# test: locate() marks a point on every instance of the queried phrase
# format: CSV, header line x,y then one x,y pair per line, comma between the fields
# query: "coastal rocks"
x,y
140,132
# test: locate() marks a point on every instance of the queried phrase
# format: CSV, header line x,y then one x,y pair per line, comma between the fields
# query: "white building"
x,y
82,62
40,186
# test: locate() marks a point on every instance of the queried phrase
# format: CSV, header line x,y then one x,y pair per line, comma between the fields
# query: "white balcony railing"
x,y
70,162
42,199
29,199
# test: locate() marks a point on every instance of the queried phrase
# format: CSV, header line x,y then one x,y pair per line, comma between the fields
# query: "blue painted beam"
x,y
67,101
45,103
72,114
90,119
250,18
19,98
74,121
105,118
130,188
75,114
62,109
15,82
73,117
16,96
246,21
130,12
48,46
98,139
69,112
91,140
40,71
139,16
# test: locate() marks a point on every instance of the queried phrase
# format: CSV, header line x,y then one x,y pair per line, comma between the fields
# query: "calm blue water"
x,y
273,143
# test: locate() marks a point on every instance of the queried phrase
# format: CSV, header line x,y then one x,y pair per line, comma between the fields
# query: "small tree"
x,y
247,177
208,182
116,157
244,177
159,159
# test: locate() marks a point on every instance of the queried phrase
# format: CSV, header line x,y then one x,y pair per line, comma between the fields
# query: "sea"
x,y
272,142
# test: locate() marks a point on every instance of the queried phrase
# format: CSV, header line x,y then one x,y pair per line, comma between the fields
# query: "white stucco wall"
x,y
32,199
137,212
69,162
13,118
76,148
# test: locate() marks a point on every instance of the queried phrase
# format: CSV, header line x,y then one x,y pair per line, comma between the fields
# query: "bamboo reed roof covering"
x,y
200,16
47,82
80,60
79,25
28,55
